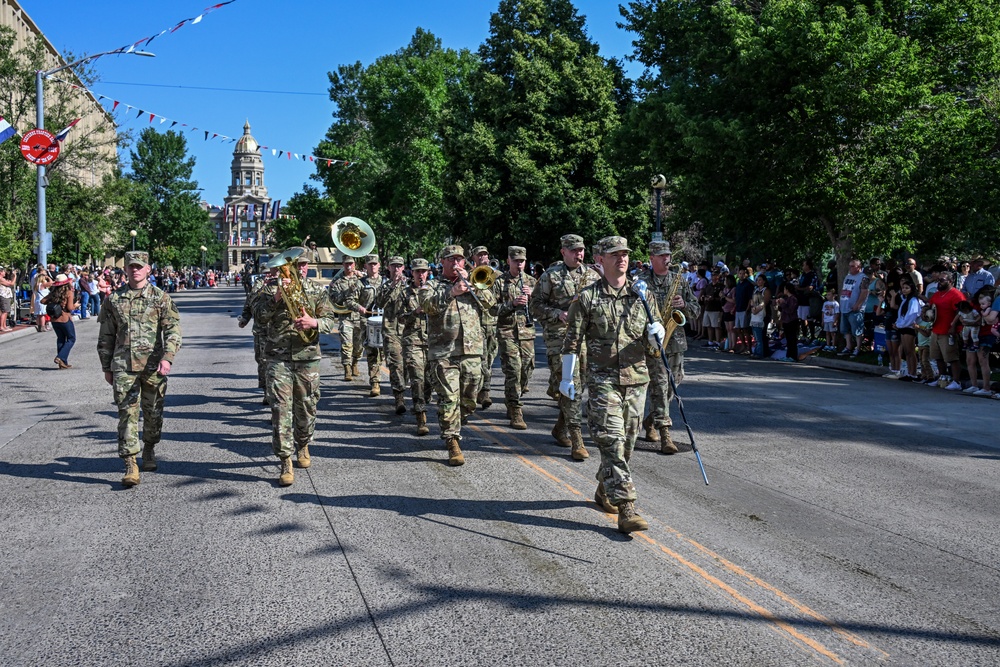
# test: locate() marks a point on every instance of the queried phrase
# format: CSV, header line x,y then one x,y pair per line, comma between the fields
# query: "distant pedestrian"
x,y
60,303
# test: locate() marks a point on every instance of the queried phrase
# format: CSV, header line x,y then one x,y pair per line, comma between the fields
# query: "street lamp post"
x,y
132,234
40,184
659,183
203,265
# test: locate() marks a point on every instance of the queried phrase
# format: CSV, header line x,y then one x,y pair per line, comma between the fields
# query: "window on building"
x,y
258,179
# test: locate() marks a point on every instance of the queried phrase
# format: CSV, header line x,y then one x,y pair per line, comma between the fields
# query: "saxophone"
x,y
672,317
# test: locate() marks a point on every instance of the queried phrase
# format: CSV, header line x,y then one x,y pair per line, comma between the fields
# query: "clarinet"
x,y
527,313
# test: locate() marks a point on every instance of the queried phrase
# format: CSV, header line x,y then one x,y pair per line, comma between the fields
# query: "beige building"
x,y
89,151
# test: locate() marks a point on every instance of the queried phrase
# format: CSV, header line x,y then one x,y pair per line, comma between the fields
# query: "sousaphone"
x,y
353,236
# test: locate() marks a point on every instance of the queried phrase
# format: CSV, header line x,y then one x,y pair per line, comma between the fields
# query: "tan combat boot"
x,y
517,419
560,433
579,452
484,399
356,372
667,445
400,403
422,424
628,520
376,390
601,499
148,458
652,435
287,476
455,457
131,477
302,457
347,374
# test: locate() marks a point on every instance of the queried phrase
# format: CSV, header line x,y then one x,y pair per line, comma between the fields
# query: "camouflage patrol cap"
x,y
139,257
659,248
371,259
349,258
572,242
611,244
451,251
396,259
517,252
480,248
596,250
419,264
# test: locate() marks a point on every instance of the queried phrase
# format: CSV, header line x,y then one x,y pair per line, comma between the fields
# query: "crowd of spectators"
x,y
921,321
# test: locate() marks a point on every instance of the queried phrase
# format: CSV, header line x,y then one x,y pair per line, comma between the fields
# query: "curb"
x,y
844,365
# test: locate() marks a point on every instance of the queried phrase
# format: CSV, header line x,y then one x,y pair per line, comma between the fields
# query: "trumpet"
x,y
480,278
294,295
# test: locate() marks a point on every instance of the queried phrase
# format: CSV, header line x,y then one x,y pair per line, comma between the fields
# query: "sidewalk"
x,y
22,330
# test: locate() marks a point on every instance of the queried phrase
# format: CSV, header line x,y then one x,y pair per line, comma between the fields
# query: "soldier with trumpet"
x,y
291,347
481,257
515,332
455,344
677,304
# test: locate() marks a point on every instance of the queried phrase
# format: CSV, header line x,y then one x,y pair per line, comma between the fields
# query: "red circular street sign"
x,y
39,147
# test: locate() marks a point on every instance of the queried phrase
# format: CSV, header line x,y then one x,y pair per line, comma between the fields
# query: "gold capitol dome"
x,y
247,144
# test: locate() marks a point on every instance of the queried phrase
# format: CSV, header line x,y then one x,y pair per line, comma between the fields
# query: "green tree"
x,y
389,119
171,224
799,126
528,149
75,214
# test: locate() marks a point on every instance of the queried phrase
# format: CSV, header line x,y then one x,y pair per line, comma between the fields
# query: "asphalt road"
x,y
849,520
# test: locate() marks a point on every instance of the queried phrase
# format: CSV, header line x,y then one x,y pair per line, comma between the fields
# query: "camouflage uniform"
x,y
139,328
258,338
555,291
362,295
612,323
414,340
292,366
516,336
390,299
351,326
490,347
455,348
660,393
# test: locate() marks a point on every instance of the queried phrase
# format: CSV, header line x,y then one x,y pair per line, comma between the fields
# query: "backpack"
x,y
53,310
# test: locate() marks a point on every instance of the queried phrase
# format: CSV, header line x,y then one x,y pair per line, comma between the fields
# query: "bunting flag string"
x,y
146,41
303,157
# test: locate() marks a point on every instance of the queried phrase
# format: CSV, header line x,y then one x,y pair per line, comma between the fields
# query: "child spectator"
x,y
759,304
923,328
909,313
969,318
831,320
987,340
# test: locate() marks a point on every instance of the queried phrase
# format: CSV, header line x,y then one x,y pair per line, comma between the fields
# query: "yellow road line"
x,y
756,608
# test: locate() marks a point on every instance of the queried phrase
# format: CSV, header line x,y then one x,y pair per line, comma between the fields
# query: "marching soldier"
x,y
361,299
549,304
390,299
481,257
258,339
661,282
414,339
515,332
609,317
351,328
293,366
455,344
140,334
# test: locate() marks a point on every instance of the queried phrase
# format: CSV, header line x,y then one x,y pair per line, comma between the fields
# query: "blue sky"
x,y
261,45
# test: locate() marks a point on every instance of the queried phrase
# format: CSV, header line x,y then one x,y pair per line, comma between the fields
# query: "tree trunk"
x,y
843,247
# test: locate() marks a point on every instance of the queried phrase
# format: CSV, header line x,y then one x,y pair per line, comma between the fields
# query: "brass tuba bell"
x,y
293,295
353,236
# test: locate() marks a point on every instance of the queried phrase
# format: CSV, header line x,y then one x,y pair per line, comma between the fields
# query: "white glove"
x,y
655,333
566,387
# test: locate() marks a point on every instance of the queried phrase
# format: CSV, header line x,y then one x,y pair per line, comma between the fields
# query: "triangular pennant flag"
x,y
128,107
155,36
280,153
173,123
176,27
197,20
328,163
296,156
151,117
100,97
65,131
206,135
214,135
115,105
162,120
311,159
274,151
141,112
